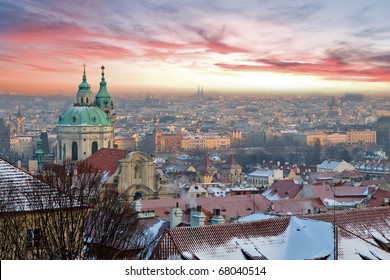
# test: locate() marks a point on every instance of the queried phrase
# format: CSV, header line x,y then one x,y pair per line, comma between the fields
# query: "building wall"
x,y
362,136
138,169
23,146
84,136
166,142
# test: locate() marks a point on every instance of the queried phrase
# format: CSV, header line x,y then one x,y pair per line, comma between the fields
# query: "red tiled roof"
x,y
343,196
283,189
231,206
348,174
297,205
217,242
275,238
368,183
219,178
106,159
362,222
378,198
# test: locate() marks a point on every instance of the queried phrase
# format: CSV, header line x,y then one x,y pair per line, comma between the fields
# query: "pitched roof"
x,y
341,196
231,163
378,198
329,164
349,174
282,189
284,238
206,165
261,173
359,234
219,178
369,224
20,191
298,205
106,160
230,206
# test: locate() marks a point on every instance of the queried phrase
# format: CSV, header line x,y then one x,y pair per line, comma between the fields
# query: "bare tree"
x,y
67,214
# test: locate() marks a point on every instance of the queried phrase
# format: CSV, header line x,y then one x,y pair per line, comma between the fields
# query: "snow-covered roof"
x,y
283,189
257,216
359,234
20,191
261,173
285,238
329,164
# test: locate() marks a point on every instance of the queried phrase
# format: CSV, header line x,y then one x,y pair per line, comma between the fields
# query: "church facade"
x,y
87,126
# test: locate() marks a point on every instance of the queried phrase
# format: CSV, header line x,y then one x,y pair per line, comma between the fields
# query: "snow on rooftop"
x,y
20,191
329,164
261,173
303,239
258,216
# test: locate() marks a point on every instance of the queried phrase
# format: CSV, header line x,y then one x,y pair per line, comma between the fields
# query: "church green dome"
x,y
84,116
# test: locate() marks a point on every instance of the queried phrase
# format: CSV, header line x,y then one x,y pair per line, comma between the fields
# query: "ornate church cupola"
x,y
103,98
84,96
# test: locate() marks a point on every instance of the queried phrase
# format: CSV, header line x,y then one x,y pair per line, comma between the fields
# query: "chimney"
x,y
217,219
197,217
137,205
175,215
386,199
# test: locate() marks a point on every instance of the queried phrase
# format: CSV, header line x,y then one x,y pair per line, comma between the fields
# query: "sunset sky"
x,y
164,47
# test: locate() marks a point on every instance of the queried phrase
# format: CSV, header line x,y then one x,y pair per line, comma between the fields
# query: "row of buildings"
x,y
352,137
187,141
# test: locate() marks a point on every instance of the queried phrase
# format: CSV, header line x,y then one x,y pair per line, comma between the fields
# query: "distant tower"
x,y
4,137
200,92
20,122
231,169
333,110
39,154
103,98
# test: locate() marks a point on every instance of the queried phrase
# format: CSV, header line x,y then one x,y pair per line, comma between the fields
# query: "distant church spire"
x,y
103,98
84,95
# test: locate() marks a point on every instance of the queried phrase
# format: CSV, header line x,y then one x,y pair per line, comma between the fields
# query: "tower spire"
x,y
84,95
103,98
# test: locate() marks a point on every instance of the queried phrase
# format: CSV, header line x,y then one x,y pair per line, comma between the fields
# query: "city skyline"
x,y
169,47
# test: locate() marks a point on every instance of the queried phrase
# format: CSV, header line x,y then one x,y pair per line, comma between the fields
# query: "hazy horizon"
x,y
172,47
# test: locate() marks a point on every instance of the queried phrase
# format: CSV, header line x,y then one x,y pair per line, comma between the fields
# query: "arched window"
x,y
109,144
82,100
94,147
137,196
87,100
75,151
60,150
64,152
136,172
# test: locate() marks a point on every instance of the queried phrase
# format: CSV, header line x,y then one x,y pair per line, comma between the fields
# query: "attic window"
x,y
93,119
74,118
